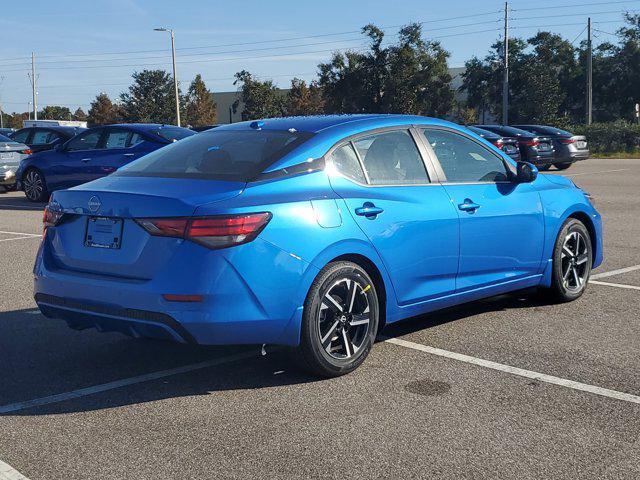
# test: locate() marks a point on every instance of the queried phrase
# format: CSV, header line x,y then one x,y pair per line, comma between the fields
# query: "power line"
x,y
571,5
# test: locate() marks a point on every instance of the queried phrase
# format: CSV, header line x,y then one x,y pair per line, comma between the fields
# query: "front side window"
x,y
346,162
464,160
392,158
220,154
85,141
116,139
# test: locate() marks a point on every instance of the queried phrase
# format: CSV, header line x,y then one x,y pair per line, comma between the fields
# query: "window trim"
x,y
102,131
511,171
432,176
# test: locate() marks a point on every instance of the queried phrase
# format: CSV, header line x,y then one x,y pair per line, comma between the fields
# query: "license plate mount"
x,y
103,232
6,156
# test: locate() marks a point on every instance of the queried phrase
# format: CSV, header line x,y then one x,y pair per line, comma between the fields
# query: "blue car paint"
x,y
255,293
65,169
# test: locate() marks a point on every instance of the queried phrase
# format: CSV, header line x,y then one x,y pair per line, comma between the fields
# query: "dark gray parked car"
x,y
534,148
568,147
507,144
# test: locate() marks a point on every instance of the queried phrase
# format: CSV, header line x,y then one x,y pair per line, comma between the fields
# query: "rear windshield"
x,y
507,131
546,130
234,155
174,134
6,139
484,133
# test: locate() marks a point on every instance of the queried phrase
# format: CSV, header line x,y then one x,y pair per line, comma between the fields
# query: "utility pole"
x,y
33,86
505,80
1,116
175,75
589,74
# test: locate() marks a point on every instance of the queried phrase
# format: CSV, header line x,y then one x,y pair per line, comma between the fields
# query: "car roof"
x,y
319,123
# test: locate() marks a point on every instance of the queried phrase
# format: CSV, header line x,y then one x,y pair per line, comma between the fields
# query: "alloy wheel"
x,y
33,185
343,318
575,261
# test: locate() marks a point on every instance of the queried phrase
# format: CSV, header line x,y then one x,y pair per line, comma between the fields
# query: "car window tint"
x,y
117,139
220,154
21,136
43,137
346,162
85,141
464,160
174,134
135,139
392,158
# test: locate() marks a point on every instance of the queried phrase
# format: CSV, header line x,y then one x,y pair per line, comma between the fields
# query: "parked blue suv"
x,y
90,155
310,232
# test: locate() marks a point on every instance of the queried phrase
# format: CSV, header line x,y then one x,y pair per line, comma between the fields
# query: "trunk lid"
x,y
99,235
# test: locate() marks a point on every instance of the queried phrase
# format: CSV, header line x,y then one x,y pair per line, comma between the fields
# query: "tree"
x,y
17,120
103,111
150,98
411,76
261,99
200,109
54,112
79,115
303,99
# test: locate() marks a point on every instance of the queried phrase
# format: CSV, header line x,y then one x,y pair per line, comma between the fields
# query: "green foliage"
x,y
79,115
411,76
200,109
261,99
303,99
54,112
103,111
619,136
150,98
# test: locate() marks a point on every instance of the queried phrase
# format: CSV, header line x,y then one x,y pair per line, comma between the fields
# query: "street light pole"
x,y
175,75
505,78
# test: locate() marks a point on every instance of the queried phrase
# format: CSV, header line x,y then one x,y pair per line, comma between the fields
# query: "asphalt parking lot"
x,y
441,397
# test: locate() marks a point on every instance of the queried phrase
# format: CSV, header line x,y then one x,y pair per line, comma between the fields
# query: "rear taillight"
x,y
27,151
498,143
534,142
568,141
213,232
51,217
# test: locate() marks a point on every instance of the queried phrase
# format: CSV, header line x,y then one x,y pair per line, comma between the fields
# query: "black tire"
x,y
35,186
347,286
544,168
572,261
562,166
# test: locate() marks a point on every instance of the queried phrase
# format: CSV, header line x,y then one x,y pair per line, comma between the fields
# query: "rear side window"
x,y
5,139
43,137
235,155
464,160
173,134
135,139
346,162
391,158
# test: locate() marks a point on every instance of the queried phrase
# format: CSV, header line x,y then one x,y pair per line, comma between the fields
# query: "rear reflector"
x,y
170,297
213,232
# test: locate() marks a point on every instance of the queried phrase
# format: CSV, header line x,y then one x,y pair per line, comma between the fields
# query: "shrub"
x,y
611,137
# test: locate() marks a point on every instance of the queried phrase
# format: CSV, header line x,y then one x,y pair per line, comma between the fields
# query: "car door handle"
x,y
129,154
368,210
468,206
85,160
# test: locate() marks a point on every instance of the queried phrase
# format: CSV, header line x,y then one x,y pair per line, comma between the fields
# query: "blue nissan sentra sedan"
x,y
310,232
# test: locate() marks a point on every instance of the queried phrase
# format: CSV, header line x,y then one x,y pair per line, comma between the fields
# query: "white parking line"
x,y
615,272
605,392
21,233
618,285
19,238
596,173
7,472
83,392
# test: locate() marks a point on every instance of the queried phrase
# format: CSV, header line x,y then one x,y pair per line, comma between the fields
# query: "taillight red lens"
x,y
51,217
568,141
498,143
27,151
530,143
213,232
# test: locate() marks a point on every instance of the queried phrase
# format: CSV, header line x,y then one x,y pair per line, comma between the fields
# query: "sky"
x,y
83,48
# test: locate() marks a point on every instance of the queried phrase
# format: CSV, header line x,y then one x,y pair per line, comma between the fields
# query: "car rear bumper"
x,y
572,157
254,296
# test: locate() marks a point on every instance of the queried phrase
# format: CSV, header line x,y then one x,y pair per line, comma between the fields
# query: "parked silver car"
x,y
11,154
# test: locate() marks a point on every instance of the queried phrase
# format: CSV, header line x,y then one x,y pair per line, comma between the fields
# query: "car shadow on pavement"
x,y
13,202
40,357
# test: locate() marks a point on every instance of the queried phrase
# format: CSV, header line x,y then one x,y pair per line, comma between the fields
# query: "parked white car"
x,y
11,154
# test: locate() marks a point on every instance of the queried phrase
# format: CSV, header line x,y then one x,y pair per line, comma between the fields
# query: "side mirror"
x,y
527,172
58,147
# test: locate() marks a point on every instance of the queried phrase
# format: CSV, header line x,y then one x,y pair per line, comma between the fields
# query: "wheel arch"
x,y
588,223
